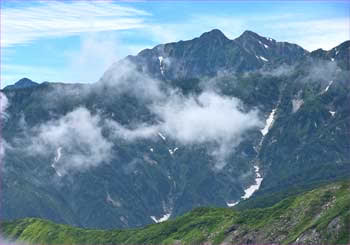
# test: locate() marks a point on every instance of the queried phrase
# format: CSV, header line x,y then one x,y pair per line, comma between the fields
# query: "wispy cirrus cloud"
x,y
54,19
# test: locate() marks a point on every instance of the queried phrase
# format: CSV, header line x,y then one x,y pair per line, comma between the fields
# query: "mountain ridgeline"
x,y
204,122
213,52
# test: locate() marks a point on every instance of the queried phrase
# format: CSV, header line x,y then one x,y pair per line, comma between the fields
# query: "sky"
x,y
76,41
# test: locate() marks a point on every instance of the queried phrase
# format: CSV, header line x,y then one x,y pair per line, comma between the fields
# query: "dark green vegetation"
x,y
308,144
320,216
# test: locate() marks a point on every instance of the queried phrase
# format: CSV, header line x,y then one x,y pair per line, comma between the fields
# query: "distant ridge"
x,y
22,83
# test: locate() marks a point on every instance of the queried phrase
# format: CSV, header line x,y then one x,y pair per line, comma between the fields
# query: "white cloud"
x,y
194,119
96,54
282,70
123,77
79,135
141,131
97,51
3,116
4,103
55,18
209,118
206,118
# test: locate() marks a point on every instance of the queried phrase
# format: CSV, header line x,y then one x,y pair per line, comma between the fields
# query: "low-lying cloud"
x,y
204,118
79,135
4,103
282,70
3,116
322,71
208,117
123,77
75,141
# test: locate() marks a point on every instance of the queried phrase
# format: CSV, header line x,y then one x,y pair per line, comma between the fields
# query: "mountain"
x,y
340,54
213,52
320,216
22,83
204,122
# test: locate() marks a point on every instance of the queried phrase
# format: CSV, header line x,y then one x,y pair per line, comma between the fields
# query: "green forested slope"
x,y
320,216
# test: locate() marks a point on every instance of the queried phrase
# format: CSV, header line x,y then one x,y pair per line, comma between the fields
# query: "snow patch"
x,y
251,189
160,58
336,52
269,122
232,204
297,103
56,159
113,202
173,151
161,219
332,113
58,173
262,58
263,44
58,154
329,84
161,135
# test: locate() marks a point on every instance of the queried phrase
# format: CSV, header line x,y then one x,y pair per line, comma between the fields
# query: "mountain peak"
x,y
248,34
22,83
215,33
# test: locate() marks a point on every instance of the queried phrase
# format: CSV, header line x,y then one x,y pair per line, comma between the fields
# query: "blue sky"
x,y
76,41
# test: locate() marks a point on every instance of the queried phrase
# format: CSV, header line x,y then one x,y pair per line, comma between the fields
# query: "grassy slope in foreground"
x,y
318,216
